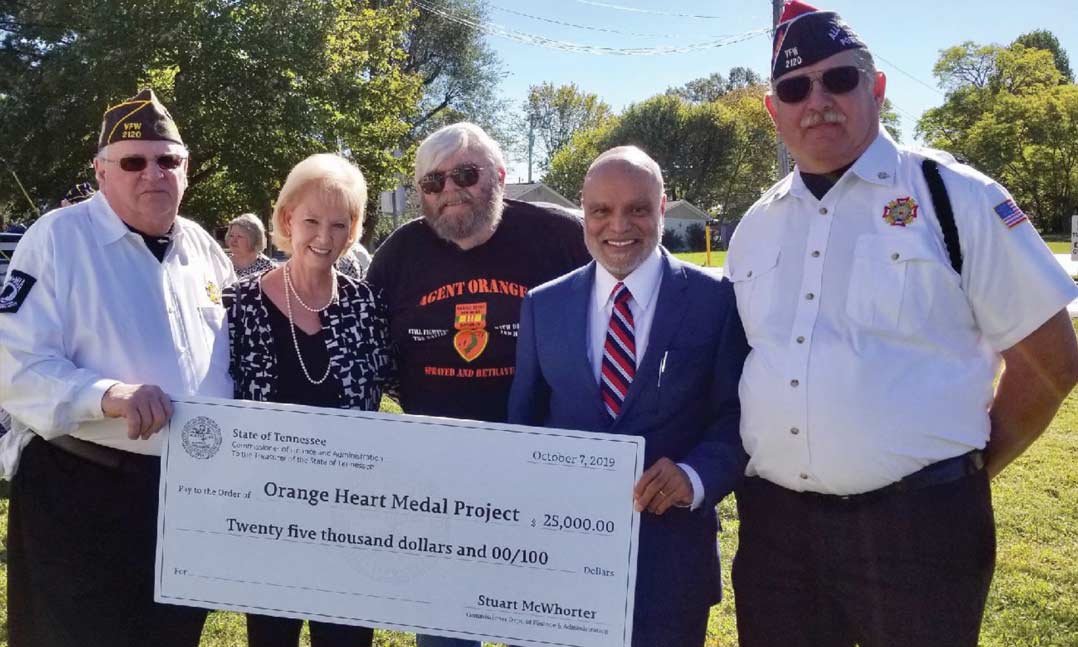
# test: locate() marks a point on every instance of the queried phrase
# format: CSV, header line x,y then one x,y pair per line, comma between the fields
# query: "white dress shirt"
x,y
103,310
871,358
643,284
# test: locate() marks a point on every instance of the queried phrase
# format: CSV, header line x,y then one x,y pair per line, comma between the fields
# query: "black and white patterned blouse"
x,y
257,266
357,338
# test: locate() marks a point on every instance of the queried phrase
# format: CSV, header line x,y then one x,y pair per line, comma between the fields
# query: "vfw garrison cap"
x,y
807,35
140,118
79,192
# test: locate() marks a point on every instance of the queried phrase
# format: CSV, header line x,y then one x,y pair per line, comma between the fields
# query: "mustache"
x,y
458,196
815,118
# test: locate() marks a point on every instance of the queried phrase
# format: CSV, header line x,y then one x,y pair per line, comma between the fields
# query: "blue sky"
x,y
905,35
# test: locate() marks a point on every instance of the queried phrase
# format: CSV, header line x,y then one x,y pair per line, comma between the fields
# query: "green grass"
x,y
719,258
700,258
1034,596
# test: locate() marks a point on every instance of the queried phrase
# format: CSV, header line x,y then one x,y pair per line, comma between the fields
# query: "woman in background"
x,y
246,240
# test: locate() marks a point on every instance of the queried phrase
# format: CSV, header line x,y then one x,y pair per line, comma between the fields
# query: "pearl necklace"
x,y
291,288
292,326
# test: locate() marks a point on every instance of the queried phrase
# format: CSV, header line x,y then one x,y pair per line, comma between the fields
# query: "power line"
x,y
906,113
494,29
899,69
648,11
589,27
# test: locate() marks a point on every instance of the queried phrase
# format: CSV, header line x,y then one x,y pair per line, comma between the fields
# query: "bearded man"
x,y
454,280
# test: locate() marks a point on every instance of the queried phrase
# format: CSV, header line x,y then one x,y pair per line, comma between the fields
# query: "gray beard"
x,y
484,216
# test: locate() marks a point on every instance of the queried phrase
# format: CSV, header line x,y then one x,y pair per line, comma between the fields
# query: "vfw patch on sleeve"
x,y
1010,214
15,290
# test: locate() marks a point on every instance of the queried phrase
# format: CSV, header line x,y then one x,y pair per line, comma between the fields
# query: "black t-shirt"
x,y
454,314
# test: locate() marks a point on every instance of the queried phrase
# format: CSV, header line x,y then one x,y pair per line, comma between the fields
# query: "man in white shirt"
x,y
877,324
660,358
112,306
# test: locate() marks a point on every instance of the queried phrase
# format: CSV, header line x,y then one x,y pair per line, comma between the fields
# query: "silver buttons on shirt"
x,y
801,339
794,383
894,257
815,253
794,430
810,296
823,211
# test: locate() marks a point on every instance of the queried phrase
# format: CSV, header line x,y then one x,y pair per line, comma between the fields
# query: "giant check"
x,y
493,532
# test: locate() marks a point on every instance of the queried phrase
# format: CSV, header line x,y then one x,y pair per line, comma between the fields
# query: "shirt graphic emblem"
x,y
14,291
472,337
1010,214
213,292
900,212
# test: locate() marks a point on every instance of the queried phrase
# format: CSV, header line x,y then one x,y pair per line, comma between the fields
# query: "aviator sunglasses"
x,y
837,80
463,176
137,163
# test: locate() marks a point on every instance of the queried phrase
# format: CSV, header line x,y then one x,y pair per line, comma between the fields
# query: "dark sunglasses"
x,y
837,80
464,176
137,163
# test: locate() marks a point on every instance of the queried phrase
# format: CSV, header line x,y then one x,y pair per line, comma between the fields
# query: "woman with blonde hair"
x,y
303,333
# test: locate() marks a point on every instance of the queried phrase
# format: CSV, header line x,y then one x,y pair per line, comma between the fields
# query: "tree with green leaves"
x,y
254,86
710,88
1044,39
553,114
717,155
1011,112
459,71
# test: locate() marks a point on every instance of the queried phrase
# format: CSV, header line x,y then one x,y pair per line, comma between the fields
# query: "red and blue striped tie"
x,y
619,353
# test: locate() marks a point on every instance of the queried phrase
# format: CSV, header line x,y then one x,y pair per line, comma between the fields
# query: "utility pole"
x,y
780,148
531,145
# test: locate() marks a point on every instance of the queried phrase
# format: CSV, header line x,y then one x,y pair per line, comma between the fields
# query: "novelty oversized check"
x,y
473,530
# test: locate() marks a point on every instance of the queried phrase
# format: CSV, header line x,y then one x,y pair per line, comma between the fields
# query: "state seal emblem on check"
x,y
201,437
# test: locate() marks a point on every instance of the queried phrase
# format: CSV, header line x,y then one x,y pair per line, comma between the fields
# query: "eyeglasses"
x,y
837,80
137,163
464,176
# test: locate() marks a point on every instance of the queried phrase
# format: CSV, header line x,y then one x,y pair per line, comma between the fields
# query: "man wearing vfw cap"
x,y
112,305
878,310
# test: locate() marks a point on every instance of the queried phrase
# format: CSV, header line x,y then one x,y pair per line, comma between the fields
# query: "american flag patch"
x,y
1010,214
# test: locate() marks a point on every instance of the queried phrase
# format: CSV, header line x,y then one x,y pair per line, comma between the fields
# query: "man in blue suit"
x,y
639,343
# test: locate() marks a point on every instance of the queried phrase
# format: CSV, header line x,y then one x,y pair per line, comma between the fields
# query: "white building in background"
x,y
680,214
537,192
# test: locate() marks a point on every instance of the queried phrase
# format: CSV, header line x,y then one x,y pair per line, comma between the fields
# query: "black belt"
x,y
107,457
939,473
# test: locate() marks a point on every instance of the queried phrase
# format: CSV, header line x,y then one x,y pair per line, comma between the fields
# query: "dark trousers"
x,y
270,631
903,569
81,544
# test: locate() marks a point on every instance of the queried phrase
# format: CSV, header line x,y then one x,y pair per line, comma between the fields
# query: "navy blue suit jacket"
x,y
689,414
